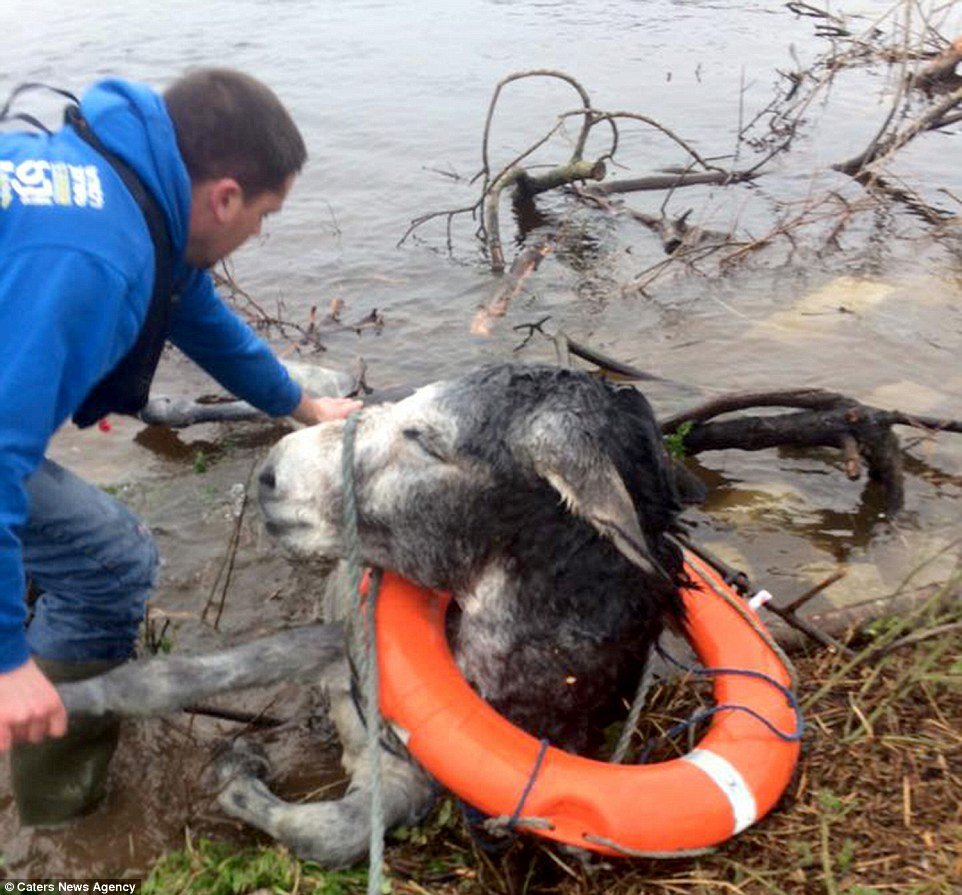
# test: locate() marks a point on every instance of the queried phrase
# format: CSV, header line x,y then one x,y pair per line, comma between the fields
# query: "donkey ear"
x,y
570,460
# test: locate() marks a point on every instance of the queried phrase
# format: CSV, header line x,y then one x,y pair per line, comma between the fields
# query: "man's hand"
x,y
313,410
30,708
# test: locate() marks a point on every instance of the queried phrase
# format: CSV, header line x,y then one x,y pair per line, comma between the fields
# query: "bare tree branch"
x,y
820,419
883,147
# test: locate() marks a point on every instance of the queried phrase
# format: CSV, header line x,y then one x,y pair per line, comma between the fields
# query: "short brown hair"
x,y
229,124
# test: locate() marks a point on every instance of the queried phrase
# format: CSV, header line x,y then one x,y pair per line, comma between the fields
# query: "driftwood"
x,y
576,169
178,413
840,621
943,71
670,181
523,266
889,40
820,419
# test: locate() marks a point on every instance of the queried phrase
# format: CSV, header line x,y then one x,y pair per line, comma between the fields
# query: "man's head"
x,y
242,151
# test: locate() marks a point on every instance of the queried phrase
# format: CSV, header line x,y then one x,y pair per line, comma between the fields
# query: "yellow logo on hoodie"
x,y
40,182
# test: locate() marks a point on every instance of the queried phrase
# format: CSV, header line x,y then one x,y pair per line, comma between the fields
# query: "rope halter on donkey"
x,y
365,609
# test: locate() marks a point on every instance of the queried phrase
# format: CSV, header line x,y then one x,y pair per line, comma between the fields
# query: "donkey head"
x,y
447,476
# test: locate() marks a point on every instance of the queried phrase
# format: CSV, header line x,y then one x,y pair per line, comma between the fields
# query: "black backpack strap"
x,y
126,387
6,115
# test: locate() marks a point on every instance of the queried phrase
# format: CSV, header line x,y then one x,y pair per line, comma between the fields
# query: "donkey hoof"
x,y
240,758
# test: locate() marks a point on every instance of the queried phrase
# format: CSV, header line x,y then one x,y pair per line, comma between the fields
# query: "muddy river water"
x,y
391,98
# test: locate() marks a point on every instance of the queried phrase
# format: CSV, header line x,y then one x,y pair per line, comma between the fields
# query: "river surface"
x,y
392,98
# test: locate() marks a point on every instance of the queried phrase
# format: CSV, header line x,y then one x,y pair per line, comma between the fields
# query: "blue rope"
x,y
516,814
697,718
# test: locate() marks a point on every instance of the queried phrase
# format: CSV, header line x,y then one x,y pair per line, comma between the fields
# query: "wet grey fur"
x,y
541,498
159,685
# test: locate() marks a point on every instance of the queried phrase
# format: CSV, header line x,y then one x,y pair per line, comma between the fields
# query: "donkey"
x,y
541,498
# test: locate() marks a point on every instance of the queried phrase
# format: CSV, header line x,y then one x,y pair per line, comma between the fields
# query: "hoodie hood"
x,y
132,121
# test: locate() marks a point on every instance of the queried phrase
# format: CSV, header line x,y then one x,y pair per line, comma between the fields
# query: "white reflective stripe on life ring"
x,y
728,779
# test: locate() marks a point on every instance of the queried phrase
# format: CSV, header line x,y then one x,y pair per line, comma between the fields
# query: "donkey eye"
x,y
426,442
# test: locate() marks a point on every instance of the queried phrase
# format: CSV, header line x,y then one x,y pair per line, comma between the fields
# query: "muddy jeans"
x,y
94,563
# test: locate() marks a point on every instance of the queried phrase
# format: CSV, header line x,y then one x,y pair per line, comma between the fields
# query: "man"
x,y
107,228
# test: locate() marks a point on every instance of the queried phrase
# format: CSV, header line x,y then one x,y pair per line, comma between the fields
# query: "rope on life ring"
x,y
733,777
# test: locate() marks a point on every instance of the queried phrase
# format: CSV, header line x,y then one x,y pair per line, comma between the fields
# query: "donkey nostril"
x,y
267,479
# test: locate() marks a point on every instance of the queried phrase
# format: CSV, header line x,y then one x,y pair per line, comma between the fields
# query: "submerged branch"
x,y
943,70
524,265
819,419
671,181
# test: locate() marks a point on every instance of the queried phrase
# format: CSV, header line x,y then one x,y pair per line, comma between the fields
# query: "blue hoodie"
x,y
76,273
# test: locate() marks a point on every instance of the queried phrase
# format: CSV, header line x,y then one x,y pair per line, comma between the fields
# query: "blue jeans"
x,y
94,563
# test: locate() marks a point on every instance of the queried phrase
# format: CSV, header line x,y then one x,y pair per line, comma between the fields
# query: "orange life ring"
x,y
735,775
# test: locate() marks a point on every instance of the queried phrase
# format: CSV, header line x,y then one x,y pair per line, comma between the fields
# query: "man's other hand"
x,y
30,708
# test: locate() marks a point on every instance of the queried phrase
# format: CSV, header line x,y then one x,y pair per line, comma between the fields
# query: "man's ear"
x,y
226,198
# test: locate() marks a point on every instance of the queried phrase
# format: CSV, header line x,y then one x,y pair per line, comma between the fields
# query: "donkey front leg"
x,y
160,685
334,833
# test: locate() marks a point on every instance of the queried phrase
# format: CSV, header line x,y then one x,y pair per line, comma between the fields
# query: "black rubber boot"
x,y
60,779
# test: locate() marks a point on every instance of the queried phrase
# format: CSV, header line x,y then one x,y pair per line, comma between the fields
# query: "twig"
x,y
258,317
226,569
887,146
789,614
605,362
252,719
919,637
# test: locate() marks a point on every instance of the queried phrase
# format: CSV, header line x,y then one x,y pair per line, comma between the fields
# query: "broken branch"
x,y
523,266
821,419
